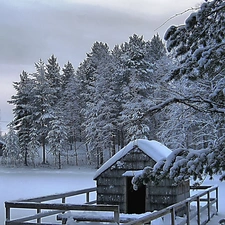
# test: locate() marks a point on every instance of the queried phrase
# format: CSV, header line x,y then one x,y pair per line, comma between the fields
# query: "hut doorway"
x,y
135,199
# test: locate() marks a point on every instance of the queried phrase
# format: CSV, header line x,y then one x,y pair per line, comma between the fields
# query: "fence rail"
x,y
55,208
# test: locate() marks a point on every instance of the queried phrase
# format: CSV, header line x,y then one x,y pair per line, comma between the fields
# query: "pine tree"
x,y
137,88
12,152
44,99
96,59
155,49
68,73
53,76
23,112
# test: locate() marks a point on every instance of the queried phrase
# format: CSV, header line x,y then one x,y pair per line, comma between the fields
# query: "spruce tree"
x,y
12,151
137,88
44,99
53,76
23,112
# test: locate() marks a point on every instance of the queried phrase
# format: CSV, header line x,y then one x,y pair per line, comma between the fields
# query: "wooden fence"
x,y
38,205
204,196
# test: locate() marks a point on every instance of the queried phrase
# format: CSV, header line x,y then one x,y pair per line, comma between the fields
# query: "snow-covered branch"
x,y
193,102
182,164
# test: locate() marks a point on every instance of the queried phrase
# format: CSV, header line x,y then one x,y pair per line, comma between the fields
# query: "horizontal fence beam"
x,y
202,187
61,206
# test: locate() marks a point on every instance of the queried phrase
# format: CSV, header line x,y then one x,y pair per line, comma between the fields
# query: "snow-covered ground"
x,y
20,183
17,183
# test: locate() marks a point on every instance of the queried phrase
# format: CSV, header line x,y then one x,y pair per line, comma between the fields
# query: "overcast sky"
x,y
34,29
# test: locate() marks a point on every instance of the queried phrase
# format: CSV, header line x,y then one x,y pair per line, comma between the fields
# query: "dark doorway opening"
x,y
135,199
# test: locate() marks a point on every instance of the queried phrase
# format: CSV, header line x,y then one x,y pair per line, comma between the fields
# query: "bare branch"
x,y
189,101
177,14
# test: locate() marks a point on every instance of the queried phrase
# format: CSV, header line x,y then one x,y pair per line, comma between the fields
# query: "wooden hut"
x,y
114,180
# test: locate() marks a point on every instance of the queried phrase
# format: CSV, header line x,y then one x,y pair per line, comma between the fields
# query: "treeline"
x,y
99,104
104,104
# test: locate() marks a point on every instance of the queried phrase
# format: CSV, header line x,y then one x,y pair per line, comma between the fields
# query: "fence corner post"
x,y
7,211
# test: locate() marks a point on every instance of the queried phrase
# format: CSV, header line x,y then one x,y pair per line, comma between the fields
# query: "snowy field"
x,y
26,183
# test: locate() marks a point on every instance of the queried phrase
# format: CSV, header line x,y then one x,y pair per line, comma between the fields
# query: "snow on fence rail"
x,y
55,208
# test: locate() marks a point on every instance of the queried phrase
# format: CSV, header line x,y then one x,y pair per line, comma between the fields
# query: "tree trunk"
x,y
25,158
60,165
122,138
75,152
43,151
113,152
101,158
88,155
97,155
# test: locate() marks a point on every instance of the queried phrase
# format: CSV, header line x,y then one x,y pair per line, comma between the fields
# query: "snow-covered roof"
x,y
153,149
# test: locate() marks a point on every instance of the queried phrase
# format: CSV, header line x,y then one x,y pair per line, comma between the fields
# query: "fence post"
x,y
217,200
188,212
87,197
172,211
208,202
39,219
7,211
198,211
117,215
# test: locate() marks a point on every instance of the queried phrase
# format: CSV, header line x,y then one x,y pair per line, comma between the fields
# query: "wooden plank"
x,y
206,200
59,206
202,187
91,202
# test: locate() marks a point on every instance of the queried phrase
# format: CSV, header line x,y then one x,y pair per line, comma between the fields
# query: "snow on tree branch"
x,y
200,49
